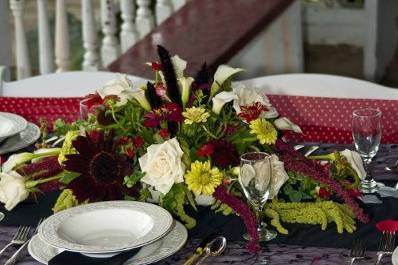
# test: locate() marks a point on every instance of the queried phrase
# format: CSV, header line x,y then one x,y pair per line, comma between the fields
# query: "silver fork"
x,y
20,237
357,251
14,257
386,246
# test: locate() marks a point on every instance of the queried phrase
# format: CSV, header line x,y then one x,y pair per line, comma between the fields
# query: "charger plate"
x,y
11,124
148,254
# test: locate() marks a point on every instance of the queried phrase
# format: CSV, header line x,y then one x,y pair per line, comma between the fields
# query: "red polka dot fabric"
x,y
33,109
326,120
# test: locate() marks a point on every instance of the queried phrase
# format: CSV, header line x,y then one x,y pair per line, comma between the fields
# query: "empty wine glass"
x,y
255,177
366,131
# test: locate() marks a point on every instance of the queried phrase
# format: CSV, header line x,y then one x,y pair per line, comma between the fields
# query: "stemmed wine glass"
x,y
366,131
255,178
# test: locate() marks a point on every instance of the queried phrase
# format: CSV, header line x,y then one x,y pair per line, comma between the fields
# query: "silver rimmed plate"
x,y
394,257
106,227
153,252
11,124
21,140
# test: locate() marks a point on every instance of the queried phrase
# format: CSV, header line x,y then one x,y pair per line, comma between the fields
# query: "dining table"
x,y
305,244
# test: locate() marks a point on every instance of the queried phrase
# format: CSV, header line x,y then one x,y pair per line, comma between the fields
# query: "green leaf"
x,y
295,196
131,180
68,177
190,198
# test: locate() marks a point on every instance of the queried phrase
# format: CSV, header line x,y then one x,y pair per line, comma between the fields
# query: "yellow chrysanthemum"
x,y
202,178
264,130
67,148
195,115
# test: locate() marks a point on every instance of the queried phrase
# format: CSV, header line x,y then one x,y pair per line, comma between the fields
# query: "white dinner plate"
x,y
11,124
21,140
106,227
394,257
153,252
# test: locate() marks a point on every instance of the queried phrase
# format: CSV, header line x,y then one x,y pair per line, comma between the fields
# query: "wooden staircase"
x,y
203,30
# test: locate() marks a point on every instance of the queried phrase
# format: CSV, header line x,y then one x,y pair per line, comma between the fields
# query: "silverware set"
x,y
386,248
21,239
213,248
309,151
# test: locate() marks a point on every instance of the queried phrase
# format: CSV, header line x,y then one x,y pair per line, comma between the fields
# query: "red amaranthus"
x,y
295,161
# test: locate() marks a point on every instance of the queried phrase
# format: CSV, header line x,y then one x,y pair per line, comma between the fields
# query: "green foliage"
x,y
133,179
174,202
68,176
299,187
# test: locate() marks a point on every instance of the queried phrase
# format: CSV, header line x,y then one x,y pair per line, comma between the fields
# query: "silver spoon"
x,y
214,248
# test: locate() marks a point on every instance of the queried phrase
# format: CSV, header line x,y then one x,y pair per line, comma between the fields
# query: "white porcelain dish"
x,y
21,140
148,254
106,227
11,124
394,257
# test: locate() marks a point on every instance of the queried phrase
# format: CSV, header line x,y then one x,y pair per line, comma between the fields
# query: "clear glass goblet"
x,y
366,132
255,177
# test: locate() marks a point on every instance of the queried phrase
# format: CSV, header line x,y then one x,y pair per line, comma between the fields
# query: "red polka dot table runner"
x,y
326,120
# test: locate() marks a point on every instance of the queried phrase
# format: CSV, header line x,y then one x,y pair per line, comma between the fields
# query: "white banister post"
x,y
144,21
61,37
110,49
164,9
91,59
128,33
23,62
46,58
5,33
177,4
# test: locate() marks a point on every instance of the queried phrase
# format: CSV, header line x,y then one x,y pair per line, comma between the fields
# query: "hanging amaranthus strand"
x,y
295,161
244,212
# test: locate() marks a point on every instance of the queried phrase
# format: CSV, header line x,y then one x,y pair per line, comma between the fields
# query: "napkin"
x,y
388,192
388,225
68,258
369,198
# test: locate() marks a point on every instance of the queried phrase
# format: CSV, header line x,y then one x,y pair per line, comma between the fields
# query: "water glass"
x,y
366,132
255,177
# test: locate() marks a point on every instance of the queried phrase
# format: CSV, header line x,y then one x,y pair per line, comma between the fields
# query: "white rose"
x,y
162,165
120,87
249,96
221,99
355,161
286,124
12,189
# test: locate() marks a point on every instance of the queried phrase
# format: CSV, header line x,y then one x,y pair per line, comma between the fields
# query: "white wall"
x,y
5,36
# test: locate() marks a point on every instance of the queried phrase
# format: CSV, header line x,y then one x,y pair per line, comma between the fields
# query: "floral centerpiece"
x,y
177,141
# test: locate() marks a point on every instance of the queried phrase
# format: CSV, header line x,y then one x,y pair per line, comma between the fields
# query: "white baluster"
x,y
144,21
61,37
23,62
128,34
46,58
177,4
164,9
110,48
91,59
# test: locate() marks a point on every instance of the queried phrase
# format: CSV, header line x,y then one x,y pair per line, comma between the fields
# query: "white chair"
x,y
320,85
65,84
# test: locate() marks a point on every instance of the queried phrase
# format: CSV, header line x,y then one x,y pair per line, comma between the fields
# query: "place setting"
x,y
16,133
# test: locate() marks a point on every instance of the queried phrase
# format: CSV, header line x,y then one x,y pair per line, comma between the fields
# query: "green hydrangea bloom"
x,y
67,147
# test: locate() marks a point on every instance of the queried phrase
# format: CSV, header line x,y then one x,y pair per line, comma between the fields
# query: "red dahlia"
x,y
224,154
205,150
252,112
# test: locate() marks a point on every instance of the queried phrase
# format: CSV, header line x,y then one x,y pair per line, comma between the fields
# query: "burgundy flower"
x,y
130,153
151,120
92,100
172,112
323,193
243,211
205,150
164,133
43,168
123,140
252,112
102,169
138,141
156,66
225,154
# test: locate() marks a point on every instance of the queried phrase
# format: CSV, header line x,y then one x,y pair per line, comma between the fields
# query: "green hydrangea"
x,y
67,147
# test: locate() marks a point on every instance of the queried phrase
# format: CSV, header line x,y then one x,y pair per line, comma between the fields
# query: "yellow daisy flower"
x,y
195,115
264,130
202,178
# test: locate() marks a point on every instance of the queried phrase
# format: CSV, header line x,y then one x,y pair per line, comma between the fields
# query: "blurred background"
x,y
354,38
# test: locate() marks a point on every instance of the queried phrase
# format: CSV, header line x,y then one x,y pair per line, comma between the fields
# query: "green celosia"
x,y
67,147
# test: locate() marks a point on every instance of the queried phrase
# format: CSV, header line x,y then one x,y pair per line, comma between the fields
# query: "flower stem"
x,y
209,133
33,183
